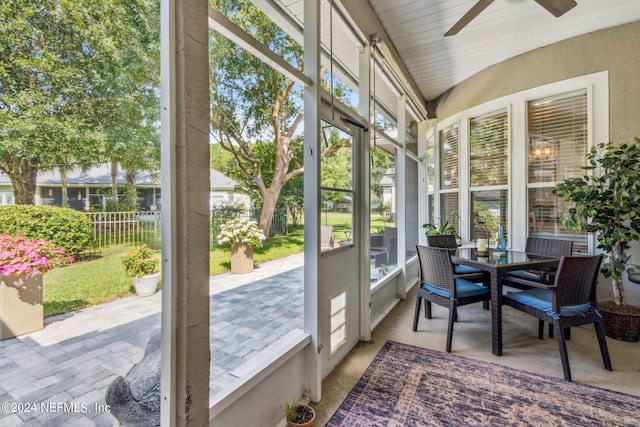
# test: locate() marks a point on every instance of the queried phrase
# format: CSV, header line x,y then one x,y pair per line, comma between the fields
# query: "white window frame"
x,y
597,85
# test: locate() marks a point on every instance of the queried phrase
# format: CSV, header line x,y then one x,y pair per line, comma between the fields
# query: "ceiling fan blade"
x,y
468,17
557,7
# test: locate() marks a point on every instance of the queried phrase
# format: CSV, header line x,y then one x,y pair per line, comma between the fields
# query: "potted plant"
x,y
607,203
300,415
243,236
143,266
22,263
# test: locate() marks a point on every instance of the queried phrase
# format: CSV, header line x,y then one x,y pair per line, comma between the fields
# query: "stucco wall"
x,y
615,49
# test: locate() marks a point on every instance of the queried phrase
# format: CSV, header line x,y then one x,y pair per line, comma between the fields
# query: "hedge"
x,y
64,227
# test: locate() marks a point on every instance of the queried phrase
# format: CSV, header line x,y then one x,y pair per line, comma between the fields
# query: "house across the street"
x,y
90,189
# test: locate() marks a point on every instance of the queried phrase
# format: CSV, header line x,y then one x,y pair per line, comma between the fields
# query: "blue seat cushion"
x,y
465,269
464,289
540,299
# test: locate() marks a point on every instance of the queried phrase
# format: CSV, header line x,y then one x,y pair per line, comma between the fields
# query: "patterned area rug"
x,y
412,386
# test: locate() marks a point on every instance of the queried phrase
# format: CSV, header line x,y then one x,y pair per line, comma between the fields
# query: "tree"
x,y
61,91
607,203
250,101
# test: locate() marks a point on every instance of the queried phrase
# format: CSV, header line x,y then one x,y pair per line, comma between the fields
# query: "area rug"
x,y
411,386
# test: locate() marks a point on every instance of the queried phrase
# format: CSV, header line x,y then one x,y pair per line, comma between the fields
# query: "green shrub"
x,y
140,261
63,227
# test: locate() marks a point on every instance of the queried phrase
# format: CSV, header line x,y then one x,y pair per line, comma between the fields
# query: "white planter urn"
x,y
147,285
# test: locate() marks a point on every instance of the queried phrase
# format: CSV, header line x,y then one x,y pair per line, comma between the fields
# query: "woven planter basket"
x,y
21,309
619,326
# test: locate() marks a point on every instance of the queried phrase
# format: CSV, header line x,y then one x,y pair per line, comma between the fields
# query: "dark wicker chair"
x,y
386,243
544,248
438,285
571,301
469,273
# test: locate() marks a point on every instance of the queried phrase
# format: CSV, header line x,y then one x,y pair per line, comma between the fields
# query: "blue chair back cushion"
x,y
540,299
464,288
465,269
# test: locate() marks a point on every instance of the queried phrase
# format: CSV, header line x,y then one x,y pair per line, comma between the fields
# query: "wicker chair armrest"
x,y
524,282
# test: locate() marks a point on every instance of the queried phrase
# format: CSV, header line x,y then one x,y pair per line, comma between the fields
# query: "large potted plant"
x,y
607,203
143,266
243,236
22,263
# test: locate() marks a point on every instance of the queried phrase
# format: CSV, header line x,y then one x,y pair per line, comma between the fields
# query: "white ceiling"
x,y
415,28
505,29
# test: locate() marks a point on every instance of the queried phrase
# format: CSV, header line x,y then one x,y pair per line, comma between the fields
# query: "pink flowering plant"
x,y
19,255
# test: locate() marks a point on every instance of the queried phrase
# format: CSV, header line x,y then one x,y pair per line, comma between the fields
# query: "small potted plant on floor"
x,y
607,203
300,415
143,266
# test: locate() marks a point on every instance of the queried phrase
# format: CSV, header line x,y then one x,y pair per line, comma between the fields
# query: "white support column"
x,y
423,181
185,213
312,98
464,197
401,194
363,237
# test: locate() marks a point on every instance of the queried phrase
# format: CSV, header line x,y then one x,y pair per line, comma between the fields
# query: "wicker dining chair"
x,y
438,285
571,301
463,271
544,248
460,271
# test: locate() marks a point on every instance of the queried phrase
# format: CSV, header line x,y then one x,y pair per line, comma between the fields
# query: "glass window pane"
x,y
489,143
489,207
336,192
449,157
449,210
545,211
557,137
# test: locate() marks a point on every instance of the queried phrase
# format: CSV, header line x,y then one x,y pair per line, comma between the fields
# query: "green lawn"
x,y
88,283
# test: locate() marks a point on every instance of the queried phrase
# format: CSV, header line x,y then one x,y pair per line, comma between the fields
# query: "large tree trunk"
x,y
114,182
23,176
65,183
269,201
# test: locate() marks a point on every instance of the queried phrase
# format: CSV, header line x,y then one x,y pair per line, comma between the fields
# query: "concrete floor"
x,y
472,338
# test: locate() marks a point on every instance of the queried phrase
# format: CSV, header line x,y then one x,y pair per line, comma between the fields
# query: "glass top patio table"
x,y
496,264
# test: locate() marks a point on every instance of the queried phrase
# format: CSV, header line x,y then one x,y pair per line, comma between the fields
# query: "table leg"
x,y
496,312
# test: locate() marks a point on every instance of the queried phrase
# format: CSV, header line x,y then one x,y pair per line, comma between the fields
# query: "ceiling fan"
x,y
555,7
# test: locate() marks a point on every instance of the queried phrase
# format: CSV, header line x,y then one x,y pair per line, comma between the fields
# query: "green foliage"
x,y
444,228
222,214
607,203
140,261
63,227
76,76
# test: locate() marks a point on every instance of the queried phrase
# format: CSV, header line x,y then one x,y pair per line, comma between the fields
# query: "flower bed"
x,y
22,264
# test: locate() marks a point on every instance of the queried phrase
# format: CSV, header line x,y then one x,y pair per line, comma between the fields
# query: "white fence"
x,y
114,229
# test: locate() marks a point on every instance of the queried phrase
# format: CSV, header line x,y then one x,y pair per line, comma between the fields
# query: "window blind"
x,y
449,210
449,157
489,144
557,132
